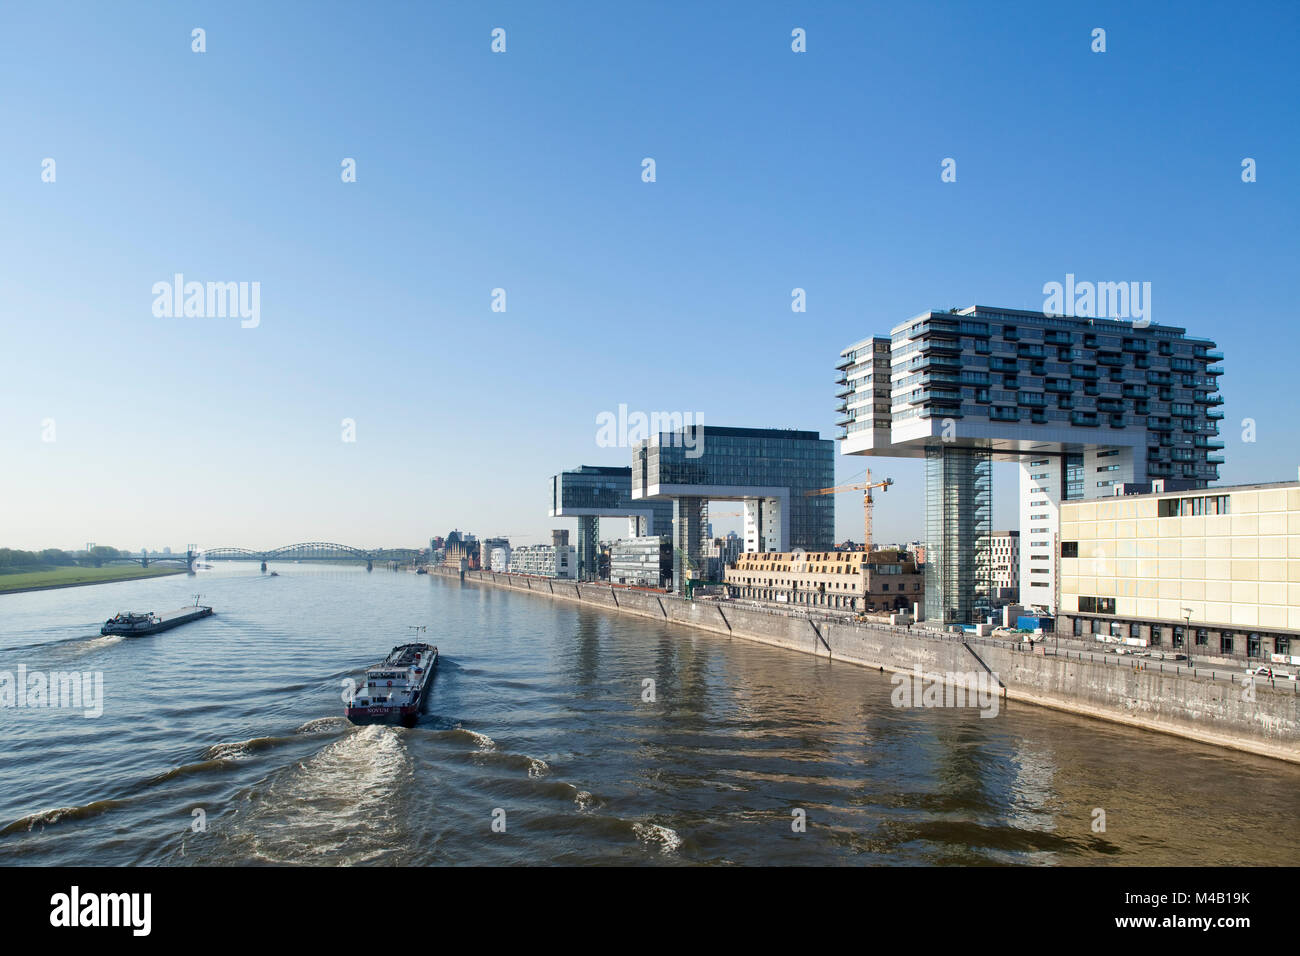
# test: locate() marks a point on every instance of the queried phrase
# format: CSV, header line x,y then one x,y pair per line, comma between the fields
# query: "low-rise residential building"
x,y
545,560
852,580
1215,571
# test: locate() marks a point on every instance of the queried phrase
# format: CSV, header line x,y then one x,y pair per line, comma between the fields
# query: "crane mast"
x,y
866,488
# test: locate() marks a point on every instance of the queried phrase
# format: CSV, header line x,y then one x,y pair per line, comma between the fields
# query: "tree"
x,y
101,553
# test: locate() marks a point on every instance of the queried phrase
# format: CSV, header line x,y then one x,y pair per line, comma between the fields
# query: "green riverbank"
x,y
71,577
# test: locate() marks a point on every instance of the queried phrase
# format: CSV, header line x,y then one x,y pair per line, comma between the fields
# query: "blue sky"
x,y
522,171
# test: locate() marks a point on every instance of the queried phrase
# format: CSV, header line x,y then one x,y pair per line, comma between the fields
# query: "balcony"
x,y
1214,416
941,347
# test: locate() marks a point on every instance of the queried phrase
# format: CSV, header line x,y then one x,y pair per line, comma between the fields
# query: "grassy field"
x,y
72,577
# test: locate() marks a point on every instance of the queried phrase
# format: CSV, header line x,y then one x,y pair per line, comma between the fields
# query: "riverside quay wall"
x,y
1168,699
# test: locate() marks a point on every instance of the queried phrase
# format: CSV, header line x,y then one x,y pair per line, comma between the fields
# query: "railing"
x,y
1084,654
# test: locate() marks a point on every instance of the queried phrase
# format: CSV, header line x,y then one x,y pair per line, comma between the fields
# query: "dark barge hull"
x,y
165,623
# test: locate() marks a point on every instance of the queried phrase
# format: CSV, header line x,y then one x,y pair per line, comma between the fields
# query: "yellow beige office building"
x,y
1219,567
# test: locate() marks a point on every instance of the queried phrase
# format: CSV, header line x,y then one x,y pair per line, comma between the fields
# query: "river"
x,y
222,742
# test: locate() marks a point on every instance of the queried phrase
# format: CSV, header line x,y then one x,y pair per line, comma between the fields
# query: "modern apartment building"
x,y
1004,566
1079,404
592,492
489,546
499,559
1218,569
545,560
771,470
851,580
645,561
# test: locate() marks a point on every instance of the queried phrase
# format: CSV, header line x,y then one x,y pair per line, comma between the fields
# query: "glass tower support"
x,y
958,517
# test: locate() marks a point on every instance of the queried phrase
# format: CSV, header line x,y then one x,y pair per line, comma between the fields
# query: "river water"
x,y
222,742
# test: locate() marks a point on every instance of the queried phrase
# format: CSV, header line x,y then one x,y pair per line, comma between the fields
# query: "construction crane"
x,y
865,487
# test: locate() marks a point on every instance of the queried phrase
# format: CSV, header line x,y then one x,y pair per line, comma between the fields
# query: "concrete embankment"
x,y
1199,708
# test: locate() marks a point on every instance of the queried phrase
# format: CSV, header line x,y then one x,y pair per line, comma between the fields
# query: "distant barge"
x,y
129,624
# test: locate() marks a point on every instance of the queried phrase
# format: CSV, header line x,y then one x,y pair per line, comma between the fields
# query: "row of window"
x,y
1188,507
1096,605
1178,635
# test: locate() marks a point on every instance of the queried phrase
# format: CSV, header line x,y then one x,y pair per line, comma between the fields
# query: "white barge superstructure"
x,y
396,689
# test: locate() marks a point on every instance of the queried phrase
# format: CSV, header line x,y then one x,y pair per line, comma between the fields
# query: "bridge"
x,y
303,551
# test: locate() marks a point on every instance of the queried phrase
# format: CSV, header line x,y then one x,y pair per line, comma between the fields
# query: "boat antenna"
x,y
417,628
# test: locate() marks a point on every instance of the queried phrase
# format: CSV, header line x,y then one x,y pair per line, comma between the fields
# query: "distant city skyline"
x,y
379,399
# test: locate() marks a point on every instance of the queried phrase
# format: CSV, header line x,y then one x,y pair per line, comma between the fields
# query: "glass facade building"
x,y
1082,405
771,470
592,492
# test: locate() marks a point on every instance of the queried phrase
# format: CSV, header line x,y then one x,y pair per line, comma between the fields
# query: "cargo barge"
x,y
132,624
396,689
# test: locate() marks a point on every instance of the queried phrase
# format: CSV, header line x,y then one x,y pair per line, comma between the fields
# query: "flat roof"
x,y
733,432
971,311
600,470
1188,492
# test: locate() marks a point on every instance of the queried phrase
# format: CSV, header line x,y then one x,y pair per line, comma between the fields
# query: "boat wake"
x,y
485,743
652,835
47,817
340,805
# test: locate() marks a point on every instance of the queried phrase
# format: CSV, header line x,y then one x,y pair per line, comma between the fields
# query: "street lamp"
x,y
1187,636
